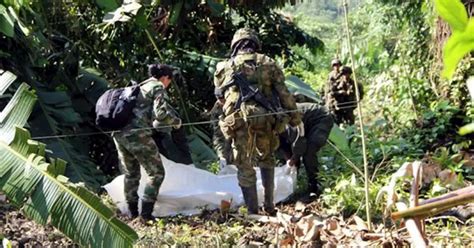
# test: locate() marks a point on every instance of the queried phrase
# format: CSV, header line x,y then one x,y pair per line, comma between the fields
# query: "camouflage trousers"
x,y
251,146
137,149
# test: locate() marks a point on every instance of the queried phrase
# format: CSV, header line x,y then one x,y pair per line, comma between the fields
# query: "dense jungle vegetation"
x,y
58,57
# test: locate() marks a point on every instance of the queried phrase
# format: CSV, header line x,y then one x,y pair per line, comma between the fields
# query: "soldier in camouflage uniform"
x,y
346,98
221,145
330,87
340,94
173,145
254,139
318,123
137,148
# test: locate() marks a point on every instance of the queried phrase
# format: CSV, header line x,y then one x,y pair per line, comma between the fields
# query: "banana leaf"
x,y
6,79
57,111
29,181
6,22
201,153
297,87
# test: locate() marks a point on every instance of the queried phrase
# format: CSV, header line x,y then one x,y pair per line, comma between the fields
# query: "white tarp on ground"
x,y
187,190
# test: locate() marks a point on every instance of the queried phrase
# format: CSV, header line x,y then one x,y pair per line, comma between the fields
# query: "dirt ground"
x,y
296,224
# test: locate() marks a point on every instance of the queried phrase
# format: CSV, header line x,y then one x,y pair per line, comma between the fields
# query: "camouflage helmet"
x,y
335,62
346,70
245,33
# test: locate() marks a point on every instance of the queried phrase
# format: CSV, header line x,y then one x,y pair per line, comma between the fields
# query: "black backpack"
x,y
114,108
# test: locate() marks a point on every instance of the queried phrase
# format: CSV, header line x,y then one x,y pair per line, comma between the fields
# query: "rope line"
x,y
152,128
352,164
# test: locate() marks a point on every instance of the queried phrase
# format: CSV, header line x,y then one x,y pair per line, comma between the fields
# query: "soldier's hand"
x,y
156,124
177,124
291,162
300,129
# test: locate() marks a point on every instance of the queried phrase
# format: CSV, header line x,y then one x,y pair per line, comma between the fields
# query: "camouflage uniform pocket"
x,y
230,124
256,116
281,123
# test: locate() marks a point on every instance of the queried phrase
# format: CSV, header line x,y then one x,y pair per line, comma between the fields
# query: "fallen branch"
x,y
440,205
466,190
412,227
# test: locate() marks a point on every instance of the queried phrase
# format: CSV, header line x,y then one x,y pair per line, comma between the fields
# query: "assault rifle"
x,y
250,92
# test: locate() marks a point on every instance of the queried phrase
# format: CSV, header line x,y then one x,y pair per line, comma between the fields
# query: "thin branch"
x,y
361,123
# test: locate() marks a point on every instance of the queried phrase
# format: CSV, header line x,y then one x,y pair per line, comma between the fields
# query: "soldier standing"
x,y
253,86
340,94
318,123
137,148
221,145
346,97
329,89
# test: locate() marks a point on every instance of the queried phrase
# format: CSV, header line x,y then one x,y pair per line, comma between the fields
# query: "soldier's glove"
x,y
300,129
222,163
291,162
177,124
156,124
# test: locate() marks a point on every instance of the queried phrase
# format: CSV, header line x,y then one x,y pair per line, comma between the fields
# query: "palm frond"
x,y
297,86
16,112
29,181
55,114
79,214
6,79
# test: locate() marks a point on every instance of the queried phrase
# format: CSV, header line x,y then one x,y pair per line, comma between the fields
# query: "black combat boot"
x,y
313,187
251,198
147,209
268,181
133,207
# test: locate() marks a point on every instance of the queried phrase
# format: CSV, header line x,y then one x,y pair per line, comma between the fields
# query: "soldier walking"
x,y
253,86
137,148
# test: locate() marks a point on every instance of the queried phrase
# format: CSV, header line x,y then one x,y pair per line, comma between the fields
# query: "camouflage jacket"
x,y
221,145
152,104
260,70
316,118
330,89
339,91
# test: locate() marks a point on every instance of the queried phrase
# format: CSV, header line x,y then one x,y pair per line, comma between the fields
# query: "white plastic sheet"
x,y
187,190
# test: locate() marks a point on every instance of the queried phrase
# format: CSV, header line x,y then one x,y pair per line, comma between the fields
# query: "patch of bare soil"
x,y
23,232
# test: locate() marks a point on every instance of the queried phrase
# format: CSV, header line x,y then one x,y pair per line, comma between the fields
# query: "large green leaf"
x,y
175,12
107,5
6,22
46,123
71,208
296,86
55,111
6,79
201,153
338,138
27,179
216,7
457,46
453,12
16,112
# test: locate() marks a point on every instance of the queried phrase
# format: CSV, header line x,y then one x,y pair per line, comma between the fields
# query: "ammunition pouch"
x,y
230,124
256,116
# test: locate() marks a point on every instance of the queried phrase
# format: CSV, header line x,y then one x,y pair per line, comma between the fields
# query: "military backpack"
x,y
114,109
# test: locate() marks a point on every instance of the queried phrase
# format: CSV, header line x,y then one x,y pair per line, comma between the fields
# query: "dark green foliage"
x,y
40,187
